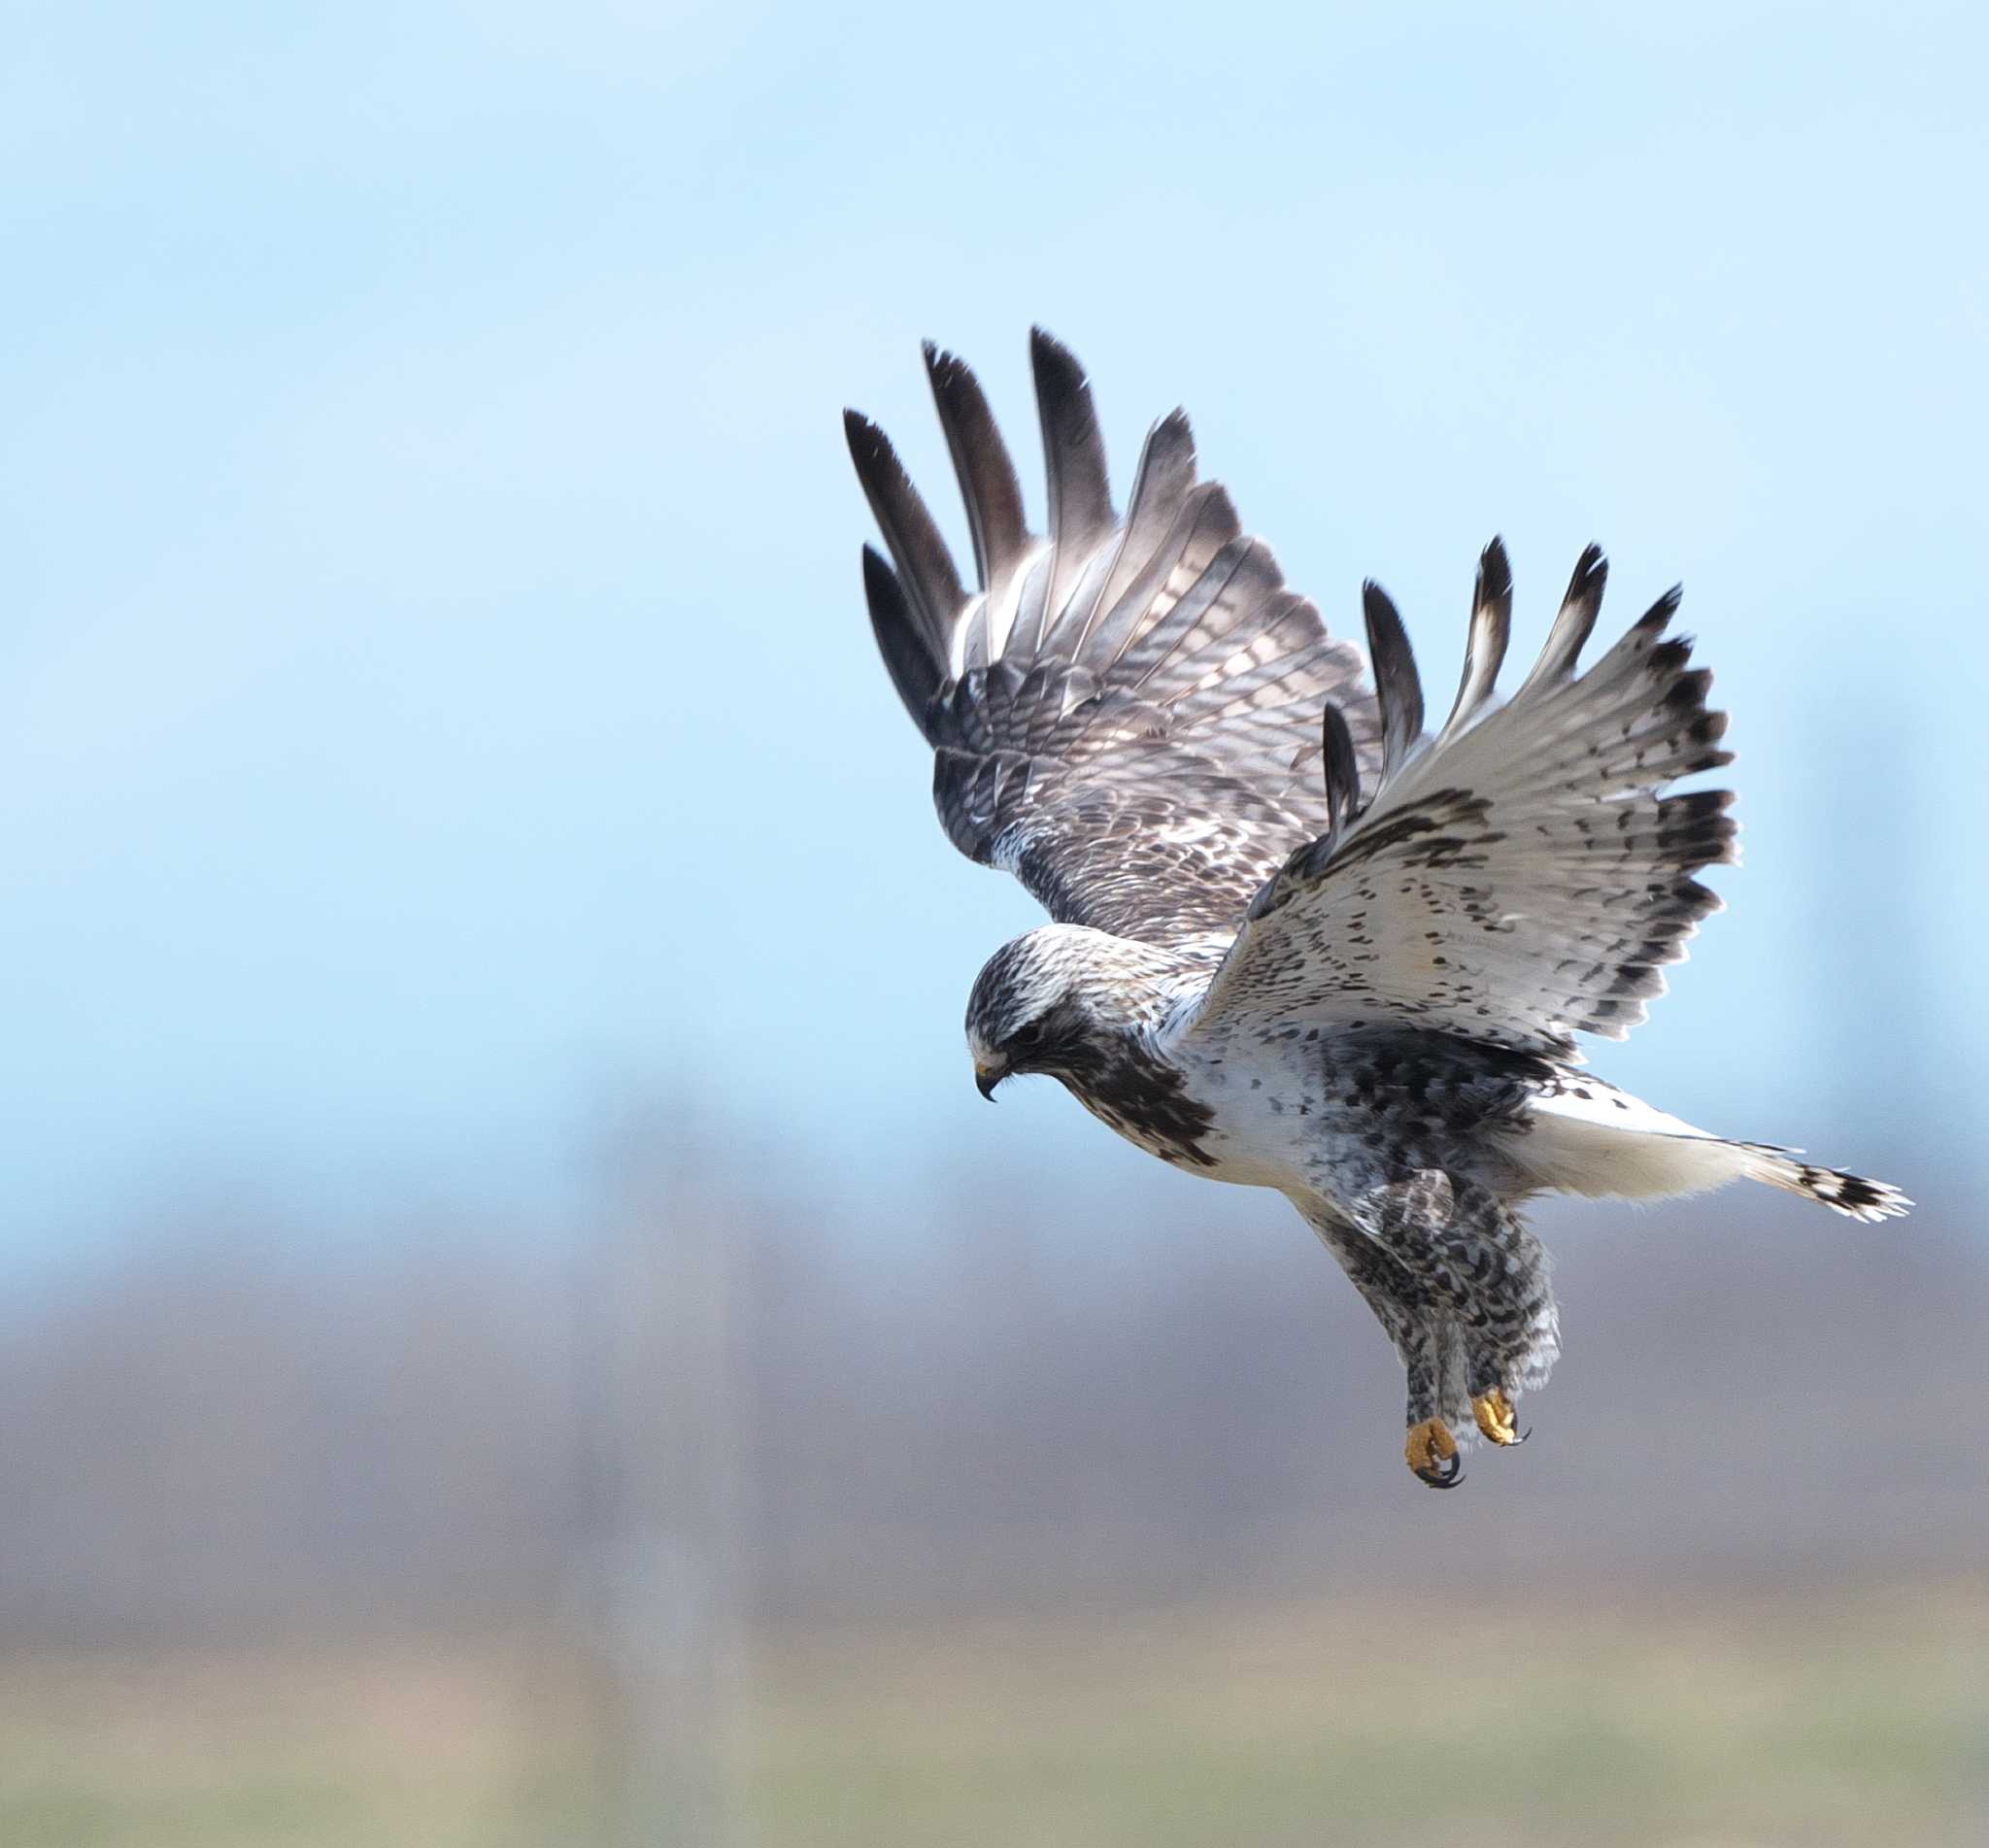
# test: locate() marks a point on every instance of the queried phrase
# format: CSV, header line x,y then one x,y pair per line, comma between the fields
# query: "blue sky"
x,y
434,688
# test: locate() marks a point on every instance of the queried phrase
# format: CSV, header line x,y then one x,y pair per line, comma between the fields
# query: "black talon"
x,y
1523,1437
1450,1481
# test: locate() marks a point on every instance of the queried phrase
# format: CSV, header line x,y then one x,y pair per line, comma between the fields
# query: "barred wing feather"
x,y
1519,878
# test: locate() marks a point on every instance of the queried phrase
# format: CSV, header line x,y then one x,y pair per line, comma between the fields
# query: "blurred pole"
x,y
657,1494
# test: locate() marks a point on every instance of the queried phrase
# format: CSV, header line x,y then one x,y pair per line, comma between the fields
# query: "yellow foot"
x,y
1431,1451
1495,1415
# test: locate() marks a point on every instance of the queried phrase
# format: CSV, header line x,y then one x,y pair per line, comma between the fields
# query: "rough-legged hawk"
x,y
1302,941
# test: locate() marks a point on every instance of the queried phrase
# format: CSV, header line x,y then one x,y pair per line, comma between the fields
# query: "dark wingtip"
x,y
925,566
1657,617
1341,767
982,466
1397,685
866,439
879,578
1043,344
916,670
1080,492
1591,575
1574,624
1495,574
1490,632
1386,638
1057,370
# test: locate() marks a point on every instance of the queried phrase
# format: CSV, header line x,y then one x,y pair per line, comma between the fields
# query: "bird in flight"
x,y
1303,940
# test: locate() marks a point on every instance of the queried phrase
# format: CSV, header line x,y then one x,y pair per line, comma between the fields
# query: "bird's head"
x,y
1055,1000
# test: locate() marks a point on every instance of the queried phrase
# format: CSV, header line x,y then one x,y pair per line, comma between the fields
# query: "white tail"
x,y
1588,1137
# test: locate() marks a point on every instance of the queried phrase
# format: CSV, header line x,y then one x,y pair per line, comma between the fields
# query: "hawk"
x,y
1302,940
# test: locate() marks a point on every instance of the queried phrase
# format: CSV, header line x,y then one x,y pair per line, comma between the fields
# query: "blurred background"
x,y
517,1327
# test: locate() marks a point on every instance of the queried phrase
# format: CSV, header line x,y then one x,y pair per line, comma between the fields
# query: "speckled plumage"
x,y
1300,942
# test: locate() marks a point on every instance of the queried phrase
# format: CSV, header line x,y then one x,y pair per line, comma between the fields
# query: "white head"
x,y
1059,999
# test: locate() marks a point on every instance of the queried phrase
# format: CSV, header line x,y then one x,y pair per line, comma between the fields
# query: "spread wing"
x,y
1518,878
1124,713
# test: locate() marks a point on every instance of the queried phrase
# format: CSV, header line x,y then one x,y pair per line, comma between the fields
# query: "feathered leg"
x,y
1470,1254
1425,1338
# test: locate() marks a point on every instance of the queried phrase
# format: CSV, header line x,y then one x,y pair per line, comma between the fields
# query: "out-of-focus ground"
x,y
1485,1713
1487,1710
710,1523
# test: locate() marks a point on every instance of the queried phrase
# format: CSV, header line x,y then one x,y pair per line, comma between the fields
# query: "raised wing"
x,y
1126,712
1518,878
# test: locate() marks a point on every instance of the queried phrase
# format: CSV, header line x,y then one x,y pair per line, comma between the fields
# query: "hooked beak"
x,y
986,1077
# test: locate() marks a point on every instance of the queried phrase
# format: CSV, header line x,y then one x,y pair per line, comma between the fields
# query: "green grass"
x,y
448,1746
1816,1719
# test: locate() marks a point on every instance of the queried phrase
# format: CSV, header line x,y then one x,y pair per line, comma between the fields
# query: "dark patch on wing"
x,y
1427,833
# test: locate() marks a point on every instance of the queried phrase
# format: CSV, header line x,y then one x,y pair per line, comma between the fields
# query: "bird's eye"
x,y
1025,1037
